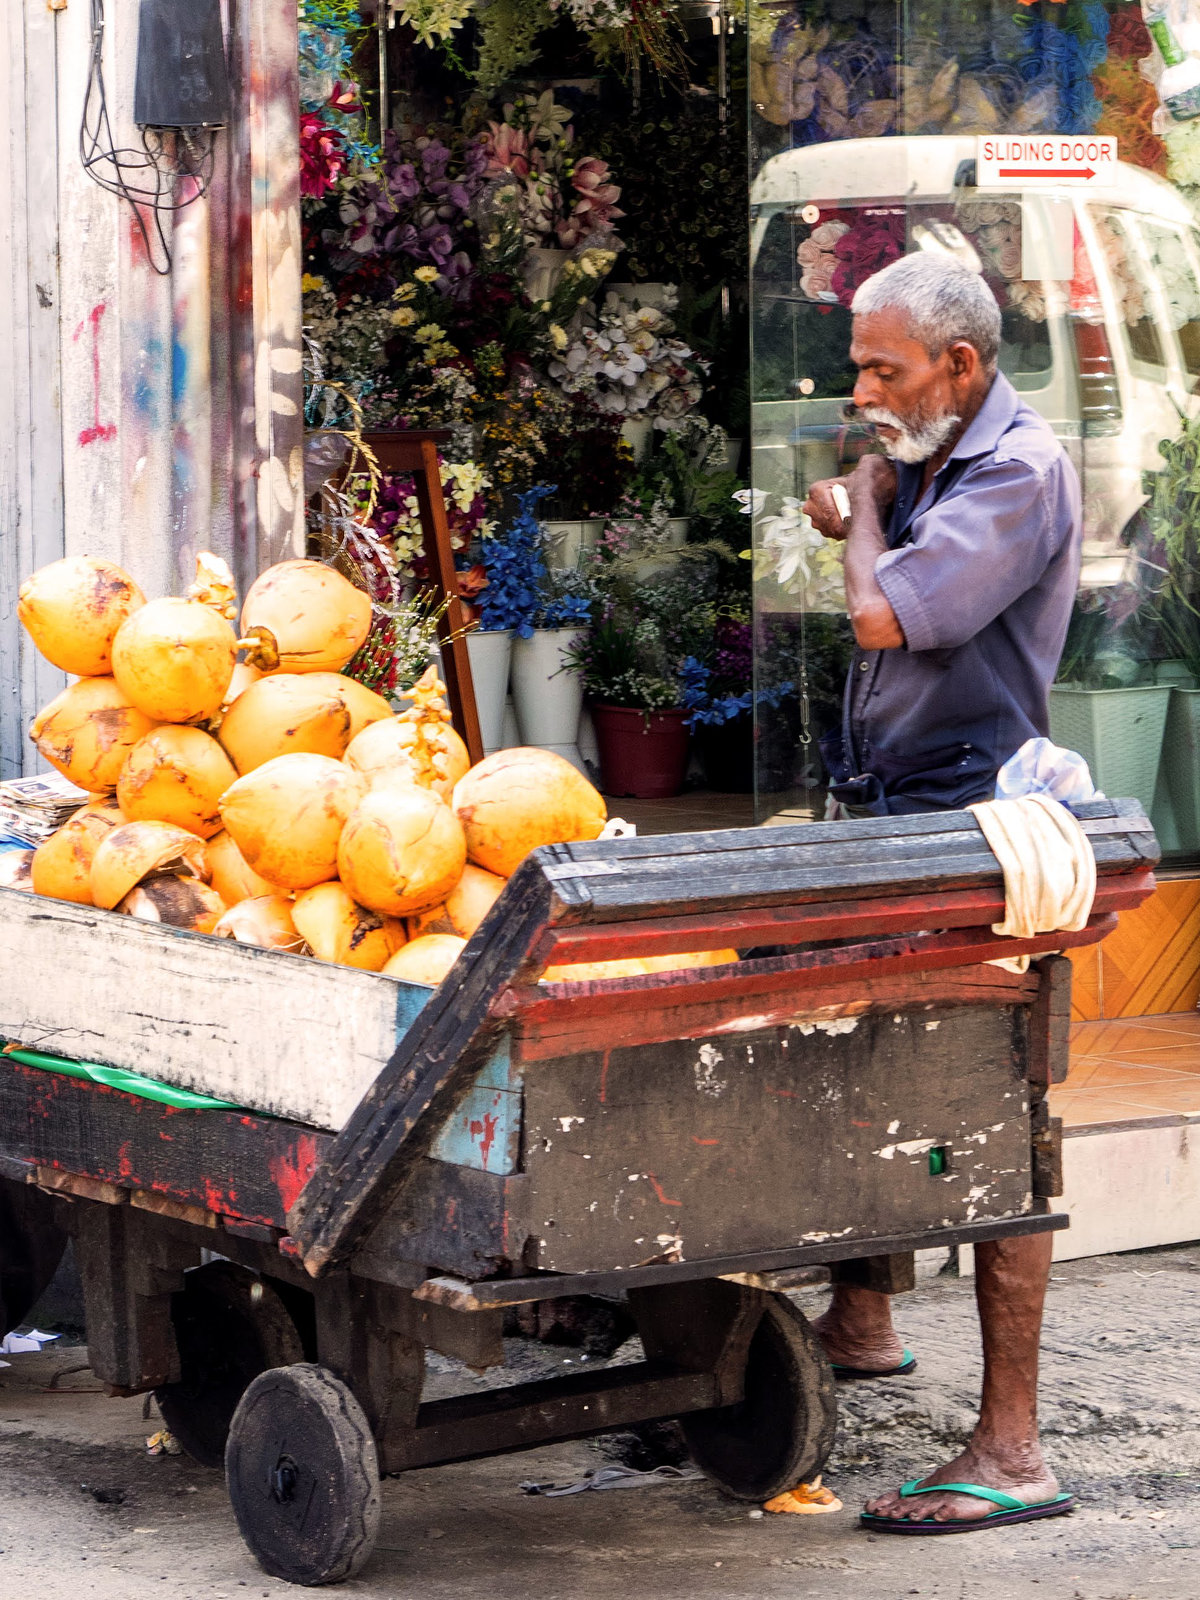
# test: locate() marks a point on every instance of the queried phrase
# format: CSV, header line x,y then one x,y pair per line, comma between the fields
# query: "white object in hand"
x,y
842,501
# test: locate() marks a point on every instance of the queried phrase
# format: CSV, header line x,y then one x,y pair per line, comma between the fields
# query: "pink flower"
x,y
322,156
596,207
508,150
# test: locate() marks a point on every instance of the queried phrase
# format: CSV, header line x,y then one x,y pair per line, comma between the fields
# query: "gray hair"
x,y
943,300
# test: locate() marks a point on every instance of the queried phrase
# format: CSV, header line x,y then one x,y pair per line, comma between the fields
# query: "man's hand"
x,y
821,507
874,478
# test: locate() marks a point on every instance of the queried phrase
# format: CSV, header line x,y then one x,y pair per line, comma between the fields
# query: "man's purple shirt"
x,y
981,575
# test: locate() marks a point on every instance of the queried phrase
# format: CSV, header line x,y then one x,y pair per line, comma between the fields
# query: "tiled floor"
x,y
1146,1067
699,811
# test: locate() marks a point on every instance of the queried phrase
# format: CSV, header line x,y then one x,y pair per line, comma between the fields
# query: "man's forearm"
x,y
871,615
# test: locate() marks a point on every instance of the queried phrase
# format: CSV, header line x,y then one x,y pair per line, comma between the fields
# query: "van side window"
x,y
1127,274
1176,279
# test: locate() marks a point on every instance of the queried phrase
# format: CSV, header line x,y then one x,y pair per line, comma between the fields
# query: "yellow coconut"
x,y
637,966
364,705
518,799
286,817
402,850
387,750
265,921
464,908
88,730
232,876
427,959
181,902
176,774
174,659
135,851
73,608
15,870
285,715
336,928
243,676
316,620
62,864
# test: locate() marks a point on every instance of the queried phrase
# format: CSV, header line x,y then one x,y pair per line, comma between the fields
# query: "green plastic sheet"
x,y
127,1082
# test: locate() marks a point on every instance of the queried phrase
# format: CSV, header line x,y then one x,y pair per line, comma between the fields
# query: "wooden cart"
x,y
858,1086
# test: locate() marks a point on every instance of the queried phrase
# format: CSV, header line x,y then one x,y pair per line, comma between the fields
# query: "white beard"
x,y
916,442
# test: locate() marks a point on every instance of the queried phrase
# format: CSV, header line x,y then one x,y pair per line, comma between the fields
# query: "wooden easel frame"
x,y
415,452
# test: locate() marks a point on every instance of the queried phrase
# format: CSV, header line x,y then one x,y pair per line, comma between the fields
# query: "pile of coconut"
x,y
244,786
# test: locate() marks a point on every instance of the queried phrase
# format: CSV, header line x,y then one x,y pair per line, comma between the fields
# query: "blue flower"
x,y
515,569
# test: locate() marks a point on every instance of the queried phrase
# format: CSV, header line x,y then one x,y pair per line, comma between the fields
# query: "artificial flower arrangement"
x,y
563,198
630,365
333,140
789,551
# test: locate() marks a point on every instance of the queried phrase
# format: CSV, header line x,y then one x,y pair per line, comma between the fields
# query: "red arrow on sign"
x,y
1047,172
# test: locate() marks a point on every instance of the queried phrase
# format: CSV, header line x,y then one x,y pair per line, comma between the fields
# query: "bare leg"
x,y
856,1329
1003,1453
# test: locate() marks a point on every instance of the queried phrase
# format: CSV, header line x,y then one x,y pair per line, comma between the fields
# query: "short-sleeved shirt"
x,y
981,572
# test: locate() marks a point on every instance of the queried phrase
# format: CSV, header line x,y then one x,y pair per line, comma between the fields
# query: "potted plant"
x,y
1102,704
547,691
507,601
723,708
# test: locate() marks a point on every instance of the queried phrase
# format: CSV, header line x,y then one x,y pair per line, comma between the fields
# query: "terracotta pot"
x,y
643,754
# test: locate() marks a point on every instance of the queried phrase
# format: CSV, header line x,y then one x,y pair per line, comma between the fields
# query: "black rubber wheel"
x,y
229,1327
782,1431
303,1476
32,1242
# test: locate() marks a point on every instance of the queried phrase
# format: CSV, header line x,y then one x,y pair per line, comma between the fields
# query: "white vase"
x,y
490,653
547,694
542,269
510,733
658,296
567,540
677,532
636,433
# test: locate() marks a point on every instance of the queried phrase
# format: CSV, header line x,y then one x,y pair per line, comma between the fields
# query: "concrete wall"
x,y
143,417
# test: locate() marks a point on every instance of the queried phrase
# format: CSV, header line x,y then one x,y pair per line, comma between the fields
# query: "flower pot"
x,y
636,433
1118,732
657,296
542,269
726,752
1181,766
567,540
490,652
643,754
548,695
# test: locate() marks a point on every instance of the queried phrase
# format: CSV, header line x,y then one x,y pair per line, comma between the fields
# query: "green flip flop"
x,y
904,1366
1011,1510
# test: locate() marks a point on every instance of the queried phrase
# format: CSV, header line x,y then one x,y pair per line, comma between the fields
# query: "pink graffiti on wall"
x,y
98,429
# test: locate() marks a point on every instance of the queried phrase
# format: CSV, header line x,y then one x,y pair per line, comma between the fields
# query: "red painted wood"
x,y
958,908
589,1016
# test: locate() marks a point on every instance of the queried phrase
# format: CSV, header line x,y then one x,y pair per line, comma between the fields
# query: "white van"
x,y
1099,290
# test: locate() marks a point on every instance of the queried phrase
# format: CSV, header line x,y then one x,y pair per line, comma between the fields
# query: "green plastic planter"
x,y
1118,732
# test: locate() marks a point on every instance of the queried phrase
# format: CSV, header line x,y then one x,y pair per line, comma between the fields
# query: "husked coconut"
x,y
232,876
265,921
181,902
364,705
427,959
402,850
636,966
307,617
16,870
62,864
464,908
516,800
287,816
176,774
174,659
72,610
135,851
88,730
282,715
336,928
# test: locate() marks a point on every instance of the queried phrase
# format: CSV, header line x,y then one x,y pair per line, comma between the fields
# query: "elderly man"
x,y
962,557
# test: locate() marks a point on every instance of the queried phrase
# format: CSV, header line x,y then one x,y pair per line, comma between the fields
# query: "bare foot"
x,y
857,1331
1022,1473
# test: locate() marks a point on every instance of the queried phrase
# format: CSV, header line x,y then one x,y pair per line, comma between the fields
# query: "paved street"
x,y
86,1515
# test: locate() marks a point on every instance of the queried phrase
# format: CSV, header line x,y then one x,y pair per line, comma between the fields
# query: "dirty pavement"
x,y
86,1514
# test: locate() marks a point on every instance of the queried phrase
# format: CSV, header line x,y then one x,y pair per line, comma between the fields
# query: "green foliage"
x,y
508,32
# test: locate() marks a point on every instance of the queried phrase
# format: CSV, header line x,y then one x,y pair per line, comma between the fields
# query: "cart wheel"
x,y
229,1327
782,1431
303,1475
31,1247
